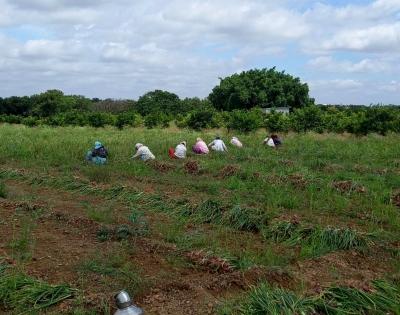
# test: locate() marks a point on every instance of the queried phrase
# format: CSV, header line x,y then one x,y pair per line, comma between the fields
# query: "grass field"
x,y
254,231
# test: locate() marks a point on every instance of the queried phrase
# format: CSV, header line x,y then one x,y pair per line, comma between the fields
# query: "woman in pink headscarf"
x,y
200,147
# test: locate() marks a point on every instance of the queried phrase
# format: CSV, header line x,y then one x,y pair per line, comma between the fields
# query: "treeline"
x,y
234,104
362,120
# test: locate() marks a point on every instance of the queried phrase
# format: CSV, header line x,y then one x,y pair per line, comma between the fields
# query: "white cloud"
x,y
328,63
380,38
124,48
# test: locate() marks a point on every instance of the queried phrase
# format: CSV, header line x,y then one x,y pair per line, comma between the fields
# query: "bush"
x,y
127,119
99,119
156,120
307,118
201,119
30,121
245,121
276,122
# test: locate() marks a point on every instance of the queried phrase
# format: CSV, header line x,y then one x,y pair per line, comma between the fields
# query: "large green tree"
x,y
158,101
259,88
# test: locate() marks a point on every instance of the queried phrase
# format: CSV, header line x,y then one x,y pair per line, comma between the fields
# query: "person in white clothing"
x,y
269,142
179,152
143,152
218,145
236,142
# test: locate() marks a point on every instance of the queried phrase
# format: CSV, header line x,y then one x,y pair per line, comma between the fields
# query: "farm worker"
x,y
200,147
179,152
272,141
236,142
276,139
98,155
143,152
218,145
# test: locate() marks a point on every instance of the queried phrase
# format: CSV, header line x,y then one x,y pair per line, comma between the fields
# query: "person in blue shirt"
x,y
98,155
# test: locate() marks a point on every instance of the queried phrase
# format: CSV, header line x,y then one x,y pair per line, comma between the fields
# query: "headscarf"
x,y
138,145
184,143
97,145
199,139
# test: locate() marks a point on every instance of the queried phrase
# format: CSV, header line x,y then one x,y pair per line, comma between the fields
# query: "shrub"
x,y
200,119
276,122
156,120
127,119
99,119
30,121
245,121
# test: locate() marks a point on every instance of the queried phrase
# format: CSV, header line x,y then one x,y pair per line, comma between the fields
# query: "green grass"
x,y
316,240
383,298
231,216
22,243
23,293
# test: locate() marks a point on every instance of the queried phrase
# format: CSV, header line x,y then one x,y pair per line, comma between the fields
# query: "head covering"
x,y
199,139
97,145
138,145
184,143
217,137
235,138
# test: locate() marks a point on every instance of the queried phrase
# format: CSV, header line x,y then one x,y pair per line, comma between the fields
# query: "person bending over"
x,y
143,153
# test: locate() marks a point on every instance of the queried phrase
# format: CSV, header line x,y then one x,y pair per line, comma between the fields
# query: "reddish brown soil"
x,y
229,170
64,238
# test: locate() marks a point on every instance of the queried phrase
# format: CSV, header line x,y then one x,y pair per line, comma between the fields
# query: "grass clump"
x,y
276,301
382,298
210,211
20,292
317,240
244,219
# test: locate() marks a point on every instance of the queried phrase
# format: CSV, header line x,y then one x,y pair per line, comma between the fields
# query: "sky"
x,y
348,52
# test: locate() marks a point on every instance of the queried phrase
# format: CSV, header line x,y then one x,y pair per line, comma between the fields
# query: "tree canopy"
x,y
259,88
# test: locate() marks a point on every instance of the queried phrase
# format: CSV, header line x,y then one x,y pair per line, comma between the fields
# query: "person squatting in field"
x,y
179,152
236,142
143,152
218,145
98,155
200,147
273,141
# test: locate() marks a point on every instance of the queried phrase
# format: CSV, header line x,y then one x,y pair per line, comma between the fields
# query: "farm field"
x,y
218,234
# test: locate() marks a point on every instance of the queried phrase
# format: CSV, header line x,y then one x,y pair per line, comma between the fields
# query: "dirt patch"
x,y
348,186
396,198
348,268
229,170
162,167
298,181
192,167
